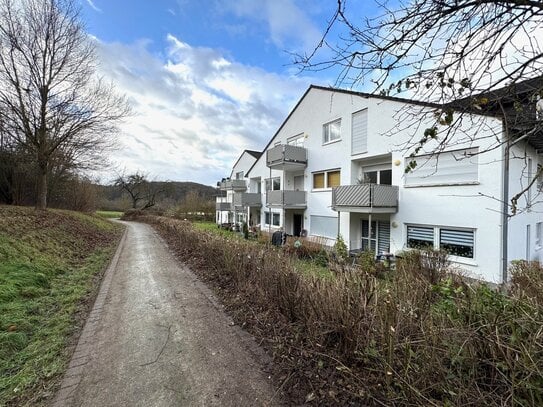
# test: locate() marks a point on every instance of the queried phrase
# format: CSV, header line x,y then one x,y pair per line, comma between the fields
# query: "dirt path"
x,y
157,337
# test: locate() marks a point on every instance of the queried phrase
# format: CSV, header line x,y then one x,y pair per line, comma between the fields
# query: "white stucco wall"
x,y
519,244
474,206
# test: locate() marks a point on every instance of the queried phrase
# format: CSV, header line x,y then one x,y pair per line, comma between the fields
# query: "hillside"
x,y
49,264
173,192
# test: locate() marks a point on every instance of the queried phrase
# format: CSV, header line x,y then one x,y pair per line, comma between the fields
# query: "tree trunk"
x,y
41,201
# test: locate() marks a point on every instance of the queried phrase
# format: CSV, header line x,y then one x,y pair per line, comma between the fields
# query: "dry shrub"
x,y
527,280
418,337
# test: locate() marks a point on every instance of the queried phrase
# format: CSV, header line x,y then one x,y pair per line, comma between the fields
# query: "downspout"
x,y
505,207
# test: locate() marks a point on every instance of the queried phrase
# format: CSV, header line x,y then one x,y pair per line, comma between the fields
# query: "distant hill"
x,y
112,198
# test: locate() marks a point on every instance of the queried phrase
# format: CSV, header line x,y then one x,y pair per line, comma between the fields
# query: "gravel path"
x,y
157,337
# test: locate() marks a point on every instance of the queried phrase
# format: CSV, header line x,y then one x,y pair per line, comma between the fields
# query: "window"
x,y
359,132
318,180
539,235
419,237
297,140
326,179
333,179
276,217
457,242
378,177
448,168
331,131
379,241
324,226
273,184
239,175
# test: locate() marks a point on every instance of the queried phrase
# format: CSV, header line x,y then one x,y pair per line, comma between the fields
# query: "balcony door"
x,y
299,183
379,240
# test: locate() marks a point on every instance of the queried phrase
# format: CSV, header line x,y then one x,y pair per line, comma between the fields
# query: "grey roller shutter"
x,y
359,132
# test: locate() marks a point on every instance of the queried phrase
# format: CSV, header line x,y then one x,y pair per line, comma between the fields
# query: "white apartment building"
x,y
335,167
234,201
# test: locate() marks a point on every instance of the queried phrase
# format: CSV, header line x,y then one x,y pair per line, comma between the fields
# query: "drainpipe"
x,y
505,209
267,199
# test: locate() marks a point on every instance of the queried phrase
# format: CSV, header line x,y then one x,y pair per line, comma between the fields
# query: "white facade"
x,y
455,202
234,187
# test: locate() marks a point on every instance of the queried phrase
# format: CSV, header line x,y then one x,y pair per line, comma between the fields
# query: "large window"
x,y
447,168
419,237
275,217
324,226
273,184
457,242
331,131
326,179
378,177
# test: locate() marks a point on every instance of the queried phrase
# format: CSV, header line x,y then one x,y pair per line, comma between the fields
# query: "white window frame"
x,y
326,187
326,133
270,181
274,216
436,244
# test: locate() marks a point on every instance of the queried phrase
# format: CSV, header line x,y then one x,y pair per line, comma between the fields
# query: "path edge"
x,y
82,355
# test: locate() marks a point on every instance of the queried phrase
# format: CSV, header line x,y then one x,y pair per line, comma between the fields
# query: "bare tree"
x,y
463,56
51,101
139,188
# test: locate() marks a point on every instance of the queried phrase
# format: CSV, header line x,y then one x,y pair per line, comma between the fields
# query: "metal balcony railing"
x,y
247,199
286,199
233,185
367,197
285,156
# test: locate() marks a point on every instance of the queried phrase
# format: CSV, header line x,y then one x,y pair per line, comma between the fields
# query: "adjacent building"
x,y
337,166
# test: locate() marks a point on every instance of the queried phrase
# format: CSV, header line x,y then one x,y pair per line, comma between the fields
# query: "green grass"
x,y
48,264
301,265
109,214
212,227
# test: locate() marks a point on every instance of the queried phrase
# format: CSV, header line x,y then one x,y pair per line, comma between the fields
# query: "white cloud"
x,y
288,25
93,6
194,111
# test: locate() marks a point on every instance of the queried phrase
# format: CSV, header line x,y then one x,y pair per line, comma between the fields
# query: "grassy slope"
x,y
48,266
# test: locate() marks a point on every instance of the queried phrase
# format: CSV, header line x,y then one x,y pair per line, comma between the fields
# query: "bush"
x,y
420,337
527,280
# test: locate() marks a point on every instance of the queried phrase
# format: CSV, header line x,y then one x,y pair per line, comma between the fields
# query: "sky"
x,y
206,78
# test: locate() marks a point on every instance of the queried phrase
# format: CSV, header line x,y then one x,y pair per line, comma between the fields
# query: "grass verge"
x,y
109,214
50,263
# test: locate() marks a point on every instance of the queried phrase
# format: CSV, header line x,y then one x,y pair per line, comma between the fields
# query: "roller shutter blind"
x,y
359,132
323,226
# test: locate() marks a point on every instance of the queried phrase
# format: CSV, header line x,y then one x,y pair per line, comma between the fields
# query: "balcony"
x,y
222,204
286,157
286,199
246,199
237,185
365,198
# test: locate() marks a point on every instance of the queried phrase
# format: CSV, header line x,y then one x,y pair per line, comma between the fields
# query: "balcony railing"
x,y
286,199
233,185
247,199
286,157
365,198
222,204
